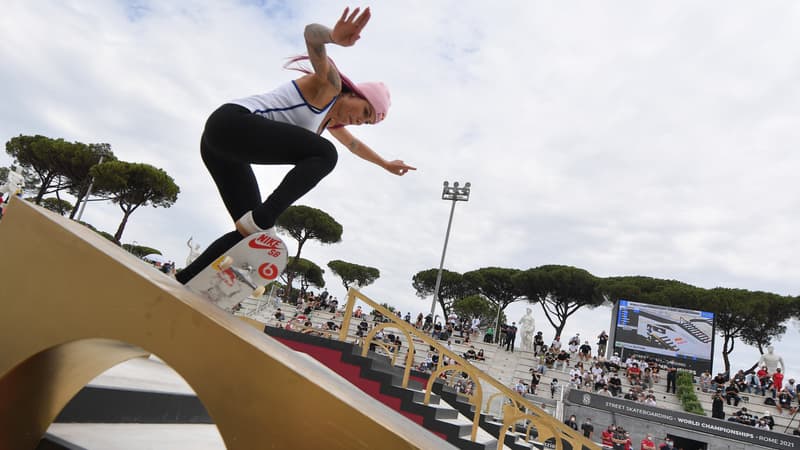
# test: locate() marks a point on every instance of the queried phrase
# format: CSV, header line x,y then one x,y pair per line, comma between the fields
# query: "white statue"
x,y
526,325
14,182
771,360
194,251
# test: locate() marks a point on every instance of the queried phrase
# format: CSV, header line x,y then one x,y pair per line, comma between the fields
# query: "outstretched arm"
x,y
345,33
363,151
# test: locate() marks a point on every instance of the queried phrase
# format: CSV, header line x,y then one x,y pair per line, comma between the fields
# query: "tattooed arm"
x,y
363,151
345,33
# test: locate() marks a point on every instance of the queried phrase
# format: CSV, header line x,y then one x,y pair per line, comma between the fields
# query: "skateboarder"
x,y
283,127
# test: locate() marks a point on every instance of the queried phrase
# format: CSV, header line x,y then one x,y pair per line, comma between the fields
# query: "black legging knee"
x,y
233,139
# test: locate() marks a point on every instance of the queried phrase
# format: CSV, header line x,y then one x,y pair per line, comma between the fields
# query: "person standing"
x,y
602,342
672,377
283,127
587,428
648,443
511,335
717,407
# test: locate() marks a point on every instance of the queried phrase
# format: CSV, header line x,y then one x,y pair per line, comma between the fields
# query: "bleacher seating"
x,y
509,367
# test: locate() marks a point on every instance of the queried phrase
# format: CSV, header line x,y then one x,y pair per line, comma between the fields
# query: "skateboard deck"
x,y
242,271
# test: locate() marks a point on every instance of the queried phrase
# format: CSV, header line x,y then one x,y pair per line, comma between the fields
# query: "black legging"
x,y
235,138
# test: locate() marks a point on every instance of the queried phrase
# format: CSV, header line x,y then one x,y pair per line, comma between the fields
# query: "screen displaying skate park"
x,y
682,336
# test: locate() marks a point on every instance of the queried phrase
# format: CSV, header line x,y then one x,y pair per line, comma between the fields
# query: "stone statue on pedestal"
x,y
14,182
526,326
194,251
771,360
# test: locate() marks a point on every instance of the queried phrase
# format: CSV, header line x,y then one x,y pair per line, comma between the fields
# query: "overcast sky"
x,y
624,137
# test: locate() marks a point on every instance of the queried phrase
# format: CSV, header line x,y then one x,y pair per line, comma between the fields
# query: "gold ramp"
x,y
73,304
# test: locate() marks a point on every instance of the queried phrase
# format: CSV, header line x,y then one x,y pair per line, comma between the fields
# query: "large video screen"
x,y
682,336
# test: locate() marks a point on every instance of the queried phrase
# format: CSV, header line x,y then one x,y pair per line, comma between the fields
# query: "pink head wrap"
x,y
375,92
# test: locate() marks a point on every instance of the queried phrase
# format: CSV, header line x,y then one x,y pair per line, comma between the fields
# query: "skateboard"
x,y
242,272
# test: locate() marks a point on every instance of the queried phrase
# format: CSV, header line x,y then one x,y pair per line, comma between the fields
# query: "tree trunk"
x,y
121,228
727,348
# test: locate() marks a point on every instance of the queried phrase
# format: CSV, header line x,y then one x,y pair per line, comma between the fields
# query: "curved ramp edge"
x,y
75,304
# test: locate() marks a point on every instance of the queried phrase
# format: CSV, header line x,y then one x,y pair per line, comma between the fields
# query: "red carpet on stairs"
x,y
352,373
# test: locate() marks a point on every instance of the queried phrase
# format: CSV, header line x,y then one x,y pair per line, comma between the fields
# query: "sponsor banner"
x,y
708,425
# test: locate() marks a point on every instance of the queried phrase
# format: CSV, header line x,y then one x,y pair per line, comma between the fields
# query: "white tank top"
x,y
286,104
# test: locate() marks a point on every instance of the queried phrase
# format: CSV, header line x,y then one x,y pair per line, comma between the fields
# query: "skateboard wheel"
x,y
226,263
259,291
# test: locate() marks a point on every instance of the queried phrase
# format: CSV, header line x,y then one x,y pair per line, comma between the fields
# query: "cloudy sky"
x,y
622,137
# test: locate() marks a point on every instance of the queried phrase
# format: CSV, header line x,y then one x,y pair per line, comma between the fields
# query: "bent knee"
x,y
329,156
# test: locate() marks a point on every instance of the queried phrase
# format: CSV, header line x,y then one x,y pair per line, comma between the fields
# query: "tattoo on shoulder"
x,y
334,78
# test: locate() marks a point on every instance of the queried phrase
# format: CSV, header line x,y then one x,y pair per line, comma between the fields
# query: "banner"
x,y
708,425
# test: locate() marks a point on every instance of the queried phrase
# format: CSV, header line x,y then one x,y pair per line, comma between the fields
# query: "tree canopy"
x,y
304,223
354,274
133,185
452,287
560,290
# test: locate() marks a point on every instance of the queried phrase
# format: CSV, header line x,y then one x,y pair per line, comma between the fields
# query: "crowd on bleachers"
x,y
585,366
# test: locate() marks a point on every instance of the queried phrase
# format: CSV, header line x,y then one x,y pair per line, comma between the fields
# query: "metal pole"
x,y
441,263
497,325
88,193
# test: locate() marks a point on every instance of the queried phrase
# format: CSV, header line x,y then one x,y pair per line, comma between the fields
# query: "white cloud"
x,y
624,138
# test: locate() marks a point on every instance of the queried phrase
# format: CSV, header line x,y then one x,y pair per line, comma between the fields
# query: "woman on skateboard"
x,y
284,127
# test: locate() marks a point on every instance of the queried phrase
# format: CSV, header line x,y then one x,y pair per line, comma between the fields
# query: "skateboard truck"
x,y
242,274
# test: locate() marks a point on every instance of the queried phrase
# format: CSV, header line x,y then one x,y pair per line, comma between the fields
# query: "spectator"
x,y
358,313
555,346
792,388
489,335
717,407
279,315
718,383
777,382
741,380
604,392
647,379
520,387
587,428
648,443
672,377
562,360
767,417
732,392
585,351
538,344
634,373
572,422
764,380
576,340
606,437
613,362
784,401
620,439
471,354
553,387
511,336
743,417
480,356
667,444
602,341
573,351
615,385
705,381
535,377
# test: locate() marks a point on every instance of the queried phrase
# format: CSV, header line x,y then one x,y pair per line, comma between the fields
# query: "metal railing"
x,y
546,426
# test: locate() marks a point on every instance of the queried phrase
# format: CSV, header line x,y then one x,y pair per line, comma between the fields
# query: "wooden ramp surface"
x,y
74,305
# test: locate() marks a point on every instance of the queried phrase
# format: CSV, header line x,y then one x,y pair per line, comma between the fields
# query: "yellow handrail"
x,y
573,437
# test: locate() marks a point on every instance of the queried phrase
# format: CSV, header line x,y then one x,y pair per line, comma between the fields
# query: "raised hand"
x,y
348,29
